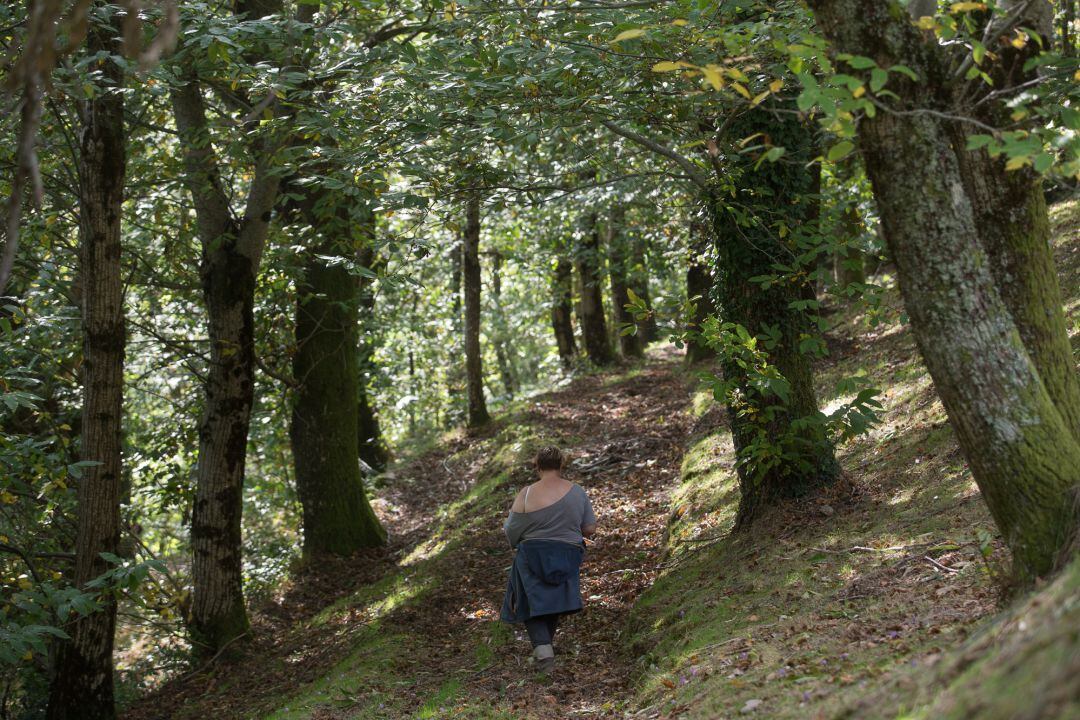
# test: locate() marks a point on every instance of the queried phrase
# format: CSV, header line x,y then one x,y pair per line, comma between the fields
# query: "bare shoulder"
x,y
519,500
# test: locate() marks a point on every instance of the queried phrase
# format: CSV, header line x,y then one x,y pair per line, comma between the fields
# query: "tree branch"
x,y
687,166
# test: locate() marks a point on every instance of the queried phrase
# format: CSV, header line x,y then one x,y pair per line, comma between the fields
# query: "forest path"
x,y
411,630
625,436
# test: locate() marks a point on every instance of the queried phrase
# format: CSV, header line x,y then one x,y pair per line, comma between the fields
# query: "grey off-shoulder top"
x,y
562,520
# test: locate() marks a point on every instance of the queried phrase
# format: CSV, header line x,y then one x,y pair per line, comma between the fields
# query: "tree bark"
x,y
83,684
849,266
591,314
1021,451
325,431
373,448
562,308
1011,219
474,368
231,252
639,283
631,346
502,357
699,284
804,457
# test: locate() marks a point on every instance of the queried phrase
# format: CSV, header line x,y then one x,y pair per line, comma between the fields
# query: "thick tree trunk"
x,y
631,346
231,252
699,284
562,308
325,431
82,687
803,457
1011,219
474,368
591,313
1022,453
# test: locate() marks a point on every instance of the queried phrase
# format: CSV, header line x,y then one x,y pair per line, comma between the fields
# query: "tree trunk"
x,y
639,283
325,431
474,368
1011,220
631,346
83,684
593,325
699,284
849,266
373,448
506,368
231,252
802,456
1068,19
562,308
1022,453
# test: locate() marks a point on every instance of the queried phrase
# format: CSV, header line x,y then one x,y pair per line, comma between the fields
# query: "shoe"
x,y
544,655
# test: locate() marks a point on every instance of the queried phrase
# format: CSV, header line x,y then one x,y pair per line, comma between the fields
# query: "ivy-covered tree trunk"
x,y
699,284
594,332
474,368
783,448
82,686
325,430
1020,448
630,345
562,308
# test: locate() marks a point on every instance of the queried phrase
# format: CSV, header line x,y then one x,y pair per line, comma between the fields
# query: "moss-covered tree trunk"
x,y
630,345
325,425
699,284
562,308
783,447
474,368
1011,218
594,332
82,686
1020,448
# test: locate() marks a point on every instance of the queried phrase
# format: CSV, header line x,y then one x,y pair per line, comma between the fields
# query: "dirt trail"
x,y
625,437
626,442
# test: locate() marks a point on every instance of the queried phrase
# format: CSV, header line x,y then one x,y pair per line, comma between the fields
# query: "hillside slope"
x,y
878,599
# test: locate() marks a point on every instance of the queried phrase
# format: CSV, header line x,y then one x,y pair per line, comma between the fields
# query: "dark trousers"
x,y
541,628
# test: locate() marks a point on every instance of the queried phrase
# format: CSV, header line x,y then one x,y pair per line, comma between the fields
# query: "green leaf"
x,y
861,63
904,70
840,150
878,78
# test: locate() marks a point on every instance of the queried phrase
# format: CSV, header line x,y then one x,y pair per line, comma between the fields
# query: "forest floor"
x,y
412,630
879,598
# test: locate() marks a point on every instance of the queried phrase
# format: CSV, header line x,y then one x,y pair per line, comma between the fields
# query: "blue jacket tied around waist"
x,y
544,580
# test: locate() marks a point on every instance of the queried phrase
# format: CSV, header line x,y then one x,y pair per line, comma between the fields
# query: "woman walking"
x,y
547,526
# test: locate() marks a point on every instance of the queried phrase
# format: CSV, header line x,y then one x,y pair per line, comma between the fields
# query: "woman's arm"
x,y
588,530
